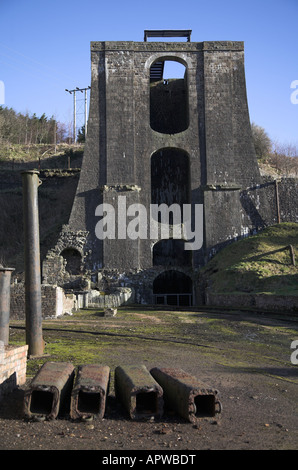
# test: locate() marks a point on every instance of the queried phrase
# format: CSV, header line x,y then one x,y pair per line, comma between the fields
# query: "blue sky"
x,y
45,48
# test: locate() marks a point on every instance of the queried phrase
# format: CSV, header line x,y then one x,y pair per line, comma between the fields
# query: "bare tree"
x,y
284,157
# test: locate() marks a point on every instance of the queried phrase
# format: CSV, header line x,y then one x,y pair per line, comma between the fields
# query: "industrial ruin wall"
x,y
152,140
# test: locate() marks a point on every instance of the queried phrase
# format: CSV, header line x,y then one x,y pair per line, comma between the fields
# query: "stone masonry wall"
x,y
54,301
121,141
263,302
288,198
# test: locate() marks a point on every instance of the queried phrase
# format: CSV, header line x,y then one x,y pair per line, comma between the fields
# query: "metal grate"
x,y
173,299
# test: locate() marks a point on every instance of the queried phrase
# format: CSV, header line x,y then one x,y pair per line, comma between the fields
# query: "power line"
x,y
74,92
53,71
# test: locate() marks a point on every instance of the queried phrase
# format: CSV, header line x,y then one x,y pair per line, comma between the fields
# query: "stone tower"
x,y
154,139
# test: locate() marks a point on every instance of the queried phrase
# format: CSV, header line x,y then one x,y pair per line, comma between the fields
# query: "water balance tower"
x,y
157,139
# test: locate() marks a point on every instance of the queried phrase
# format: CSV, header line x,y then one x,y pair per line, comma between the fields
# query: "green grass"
x,y
257,264
236,341
29,153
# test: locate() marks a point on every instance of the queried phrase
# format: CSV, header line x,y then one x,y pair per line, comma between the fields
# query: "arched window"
x,y
73,260
168,96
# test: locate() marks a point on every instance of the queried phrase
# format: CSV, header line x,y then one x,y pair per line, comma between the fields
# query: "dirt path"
x,y
246,359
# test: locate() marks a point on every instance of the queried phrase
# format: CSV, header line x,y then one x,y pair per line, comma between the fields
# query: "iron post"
x,y
34,337
5,276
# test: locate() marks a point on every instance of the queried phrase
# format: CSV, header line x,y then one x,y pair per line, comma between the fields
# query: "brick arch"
x,y
164,57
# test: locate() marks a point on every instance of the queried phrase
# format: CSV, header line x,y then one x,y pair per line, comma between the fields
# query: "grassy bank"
x,y
257,264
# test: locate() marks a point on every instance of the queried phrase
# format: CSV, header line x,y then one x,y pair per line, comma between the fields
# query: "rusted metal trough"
x,y
88,396
187,395
140,394
49,392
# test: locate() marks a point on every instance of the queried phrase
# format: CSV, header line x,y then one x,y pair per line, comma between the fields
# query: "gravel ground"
x,y
256,383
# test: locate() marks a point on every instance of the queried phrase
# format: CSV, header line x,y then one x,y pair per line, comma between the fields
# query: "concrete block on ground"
x,y
89,393
186,394
140,394
110,312
49,391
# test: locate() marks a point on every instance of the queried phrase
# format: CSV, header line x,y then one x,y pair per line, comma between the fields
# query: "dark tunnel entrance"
x,y
172,288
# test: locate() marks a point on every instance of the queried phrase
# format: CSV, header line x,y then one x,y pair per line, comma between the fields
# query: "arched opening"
x,y
172,288
168,96
73,260
171,252
170,178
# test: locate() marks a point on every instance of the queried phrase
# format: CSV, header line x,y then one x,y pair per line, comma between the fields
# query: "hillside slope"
x,y
257,264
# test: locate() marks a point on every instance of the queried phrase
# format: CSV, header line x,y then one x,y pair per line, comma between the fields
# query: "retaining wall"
x,y
263,302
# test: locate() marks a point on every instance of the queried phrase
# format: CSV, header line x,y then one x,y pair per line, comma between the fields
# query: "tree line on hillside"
x,y
26,129
282,157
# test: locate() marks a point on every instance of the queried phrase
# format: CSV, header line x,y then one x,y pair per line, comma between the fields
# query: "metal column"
x,y
34,337
5,276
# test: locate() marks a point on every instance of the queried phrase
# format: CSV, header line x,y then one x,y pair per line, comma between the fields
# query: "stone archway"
x,y
168,96
173,288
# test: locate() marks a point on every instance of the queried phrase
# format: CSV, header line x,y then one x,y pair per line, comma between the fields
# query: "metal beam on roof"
x,y
167,33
